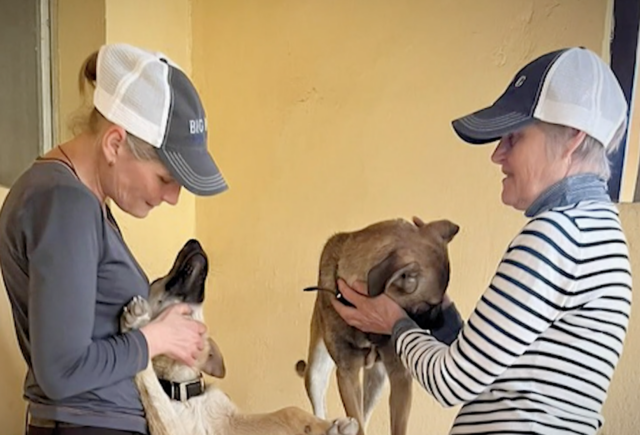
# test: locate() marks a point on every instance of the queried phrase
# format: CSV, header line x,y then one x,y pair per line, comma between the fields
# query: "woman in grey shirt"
x,y
66,267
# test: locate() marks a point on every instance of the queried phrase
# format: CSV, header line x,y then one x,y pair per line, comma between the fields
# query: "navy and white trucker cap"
x,y
571,87
150,97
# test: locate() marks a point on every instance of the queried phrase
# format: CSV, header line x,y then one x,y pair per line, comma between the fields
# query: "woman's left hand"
x,y
371,314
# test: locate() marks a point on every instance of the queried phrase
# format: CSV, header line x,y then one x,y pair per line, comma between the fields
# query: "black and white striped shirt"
x,y
537,354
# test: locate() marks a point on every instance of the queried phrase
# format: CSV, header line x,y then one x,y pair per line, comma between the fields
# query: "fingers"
x,y
356,296
351,315
360,287
186,310
189,349
446,301
196,336
203,328
182,309
353,296
371,314
348,314
188,358
184,336
341,308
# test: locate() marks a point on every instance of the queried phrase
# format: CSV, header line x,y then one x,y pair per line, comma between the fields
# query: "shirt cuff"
x,y
447,333
451,325
401,326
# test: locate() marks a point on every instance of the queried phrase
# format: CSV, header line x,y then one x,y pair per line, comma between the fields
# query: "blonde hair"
x,y
88,119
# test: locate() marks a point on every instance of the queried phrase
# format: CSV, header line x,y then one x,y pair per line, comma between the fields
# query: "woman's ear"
x,y
113,141
574,142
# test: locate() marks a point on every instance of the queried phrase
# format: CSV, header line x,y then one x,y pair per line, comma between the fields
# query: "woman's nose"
x,y
498,154
171,194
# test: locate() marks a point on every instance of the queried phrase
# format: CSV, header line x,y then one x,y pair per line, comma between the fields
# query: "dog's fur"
x,y
211,413
407,261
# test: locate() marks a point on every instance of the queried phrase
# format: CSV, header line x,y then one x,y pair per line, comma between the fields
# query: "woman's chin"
x,y
510,200
139,211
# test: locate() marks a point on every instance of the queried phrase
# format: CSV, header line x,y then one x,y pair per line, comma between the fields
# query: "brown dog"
x,y
176,398
407,261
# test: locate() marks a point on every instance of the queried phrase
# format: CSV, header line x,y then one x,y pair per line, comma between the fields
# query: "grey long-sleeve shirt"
x,y
68,273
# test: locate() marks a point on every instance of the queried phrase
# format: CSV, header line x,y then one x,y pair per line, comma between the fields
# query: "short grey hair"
x,y
590,156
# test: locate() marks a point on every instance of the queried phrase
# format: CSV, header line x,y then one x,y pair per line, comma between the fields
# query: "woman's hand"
x,y
174,334
376,315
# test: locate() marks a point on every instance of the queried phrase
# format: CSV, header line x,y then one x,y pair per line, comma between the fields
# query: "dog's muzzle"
x,y
430,318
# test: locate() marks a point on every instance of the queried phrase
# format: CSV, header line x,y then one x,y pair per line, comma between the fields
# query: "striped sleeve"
x,y
527,293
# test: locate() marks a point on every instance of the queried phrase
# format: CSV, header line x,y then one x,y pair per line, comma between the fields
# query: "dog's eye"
x,y
410,283
406,276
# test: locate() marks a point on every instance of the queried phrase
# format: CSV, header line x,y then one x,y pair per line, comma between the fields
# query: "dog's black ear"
x,y
214,365
389,272
380,274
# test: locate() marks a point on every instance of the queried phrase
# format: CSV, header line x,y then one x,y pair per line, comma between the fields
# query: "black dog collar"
x,y
183,391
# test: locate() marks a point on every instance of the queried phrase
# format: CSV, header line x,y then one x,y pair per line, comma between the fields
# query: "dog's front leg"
x,y
135,314
400,399
160,414
374,379
161,417
351,392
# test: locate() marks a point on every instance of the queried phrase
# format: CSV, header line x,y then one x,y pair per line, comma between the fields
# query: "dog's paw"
x,y
136,314
344,426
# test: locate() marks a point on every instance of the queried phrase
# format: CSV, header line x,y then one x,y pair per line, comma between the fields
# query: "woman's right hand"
x,y
175,334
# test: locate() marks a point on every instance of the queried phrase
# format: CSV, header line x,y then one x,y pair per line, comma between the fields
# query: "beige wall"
x,y
327,116
73,18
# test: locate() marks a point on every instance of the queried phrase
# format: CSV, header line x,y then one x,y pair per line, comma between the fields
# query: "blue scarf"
x,y
570,190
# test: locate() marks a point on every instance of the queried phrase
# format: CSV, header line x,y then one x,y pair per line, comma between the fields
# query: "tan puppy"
x,y
175,397
410,263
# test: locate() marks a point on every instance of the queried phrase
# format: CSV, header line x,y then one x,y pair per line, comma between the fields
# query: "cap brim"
x,y
195,170
489,124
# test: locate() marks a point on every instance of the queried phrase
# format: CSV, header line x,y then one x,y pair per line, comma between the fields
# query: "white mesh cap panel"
x,y
149,96
591,101
133,91
120,64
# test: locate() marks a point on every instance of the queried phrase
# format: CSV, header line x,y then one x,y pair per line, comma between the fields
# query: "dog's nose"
x,y
435,315
193,244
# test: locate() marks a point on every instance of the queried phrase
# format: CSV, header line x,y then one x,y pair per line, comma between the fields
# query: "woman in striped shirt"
x,y
538,352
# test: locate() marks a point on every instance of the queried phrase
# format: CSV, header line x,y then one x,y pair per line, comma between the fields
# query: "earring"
x,y
111,163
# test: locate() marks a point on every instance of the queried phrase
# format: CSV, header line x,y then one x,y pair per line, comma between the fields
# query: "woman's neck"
x,y
81,155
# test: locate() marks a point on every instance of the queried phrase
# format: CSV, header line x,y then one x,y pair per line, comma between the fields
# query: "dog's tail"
x,y
301,367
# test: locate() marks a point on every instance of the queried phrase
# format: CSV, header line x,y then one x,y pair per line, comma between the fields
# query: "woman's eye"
x,y
510,142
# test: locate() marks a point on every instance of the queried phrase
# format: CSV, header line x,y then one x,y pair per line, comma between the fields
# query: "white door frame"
x,y
46,72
